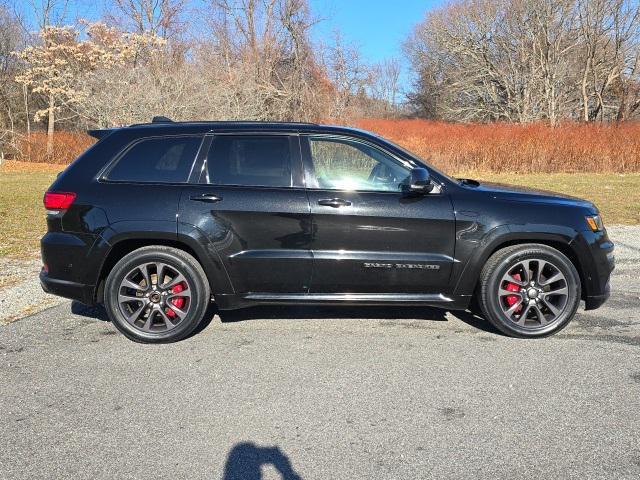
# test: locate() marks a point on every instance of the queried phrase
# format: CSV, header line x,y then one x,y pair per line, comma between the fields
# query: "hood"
x,y
524,194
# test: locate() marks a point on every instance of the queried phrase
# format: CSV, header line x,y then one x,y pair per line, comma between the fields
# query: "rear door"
x,y
250,203
369,236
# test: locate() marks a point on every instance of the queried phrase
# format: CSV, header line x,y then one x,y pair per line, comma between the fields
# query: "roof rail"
x,y
161,119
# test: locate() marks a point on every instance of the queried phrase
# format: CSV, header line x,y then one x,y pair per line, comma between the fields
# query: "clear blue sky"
x,y
376,27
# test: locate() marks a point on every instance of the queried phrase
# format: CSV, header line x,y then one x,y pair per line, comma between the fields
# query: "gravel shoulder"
x,y
20,290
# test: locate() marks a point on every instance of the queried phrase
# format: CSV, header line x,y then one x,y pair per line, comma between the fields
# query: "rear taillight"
x,y
58,200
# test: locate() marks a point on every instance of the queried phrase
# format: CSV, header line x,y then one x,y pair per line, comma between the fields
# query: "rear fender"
x,y
139,234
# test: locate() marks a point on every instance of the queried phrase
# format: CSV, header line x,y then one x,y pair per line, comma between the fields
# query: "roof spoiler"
x,y
100,133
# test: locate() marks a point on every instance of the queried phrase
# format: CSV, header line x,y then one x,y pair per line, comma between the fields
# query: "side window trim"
x,y
200,175
311,180
103,174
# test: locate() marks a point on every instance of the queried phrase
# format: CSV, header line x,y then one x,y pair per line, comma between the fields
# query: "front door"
x,y
250,204
369,236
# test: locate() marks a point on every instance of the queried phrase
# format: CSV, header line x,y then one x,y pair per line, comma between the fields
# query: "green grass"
x,y
616,195
22,216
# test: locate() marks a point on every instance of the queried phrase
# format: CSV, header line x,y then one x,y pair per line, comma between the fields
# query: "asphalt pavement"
x,y
326,393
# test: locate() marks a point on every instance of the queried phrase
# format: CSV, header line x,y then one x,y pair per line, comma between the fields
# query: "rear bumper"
x,y
64,288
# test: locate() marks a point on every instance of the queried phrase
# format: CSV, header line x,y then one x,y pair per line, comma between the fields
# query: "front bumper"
x,y
597,268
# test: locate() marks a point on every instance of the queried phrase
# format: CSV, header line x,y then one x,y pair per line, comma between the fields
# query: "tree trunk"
x,y
27,120
585,95
50,128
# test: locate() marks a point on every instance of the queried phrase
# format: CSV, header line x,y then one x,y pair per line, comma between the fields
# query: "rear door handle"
x,y
206,197
334,202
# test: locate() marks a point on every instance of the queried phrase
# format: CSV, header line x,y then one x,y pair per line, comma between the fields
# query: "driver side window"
x,y
342,164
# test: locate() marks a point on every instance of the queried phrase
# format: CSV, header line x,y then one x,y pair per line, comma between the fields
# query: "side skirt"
x,y
230,302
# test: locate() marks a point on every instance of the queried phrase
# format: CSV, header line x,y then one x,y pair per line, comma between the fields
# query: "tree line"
x,y
471,60
528,60
226,59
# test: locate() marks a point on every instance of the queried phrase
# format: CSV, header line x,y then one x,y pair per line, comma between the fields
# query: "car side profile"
x,y
157,220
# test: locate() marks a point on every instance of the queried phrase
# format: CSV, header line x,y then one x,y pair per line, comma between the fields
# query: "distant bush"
x,y
66,147
526,148
455,148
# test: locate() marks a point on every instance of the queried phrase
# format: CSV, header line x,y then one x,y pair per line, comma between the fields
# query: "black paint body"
x,y
279,245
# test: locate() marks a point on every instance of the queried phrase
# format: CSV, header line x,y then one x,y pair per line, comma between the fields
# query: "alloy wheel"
x,y
533,293
154,297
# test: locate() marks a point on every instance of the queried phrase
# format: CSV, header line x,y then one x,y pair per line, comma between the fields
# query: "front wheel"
x,y
156,294
529,290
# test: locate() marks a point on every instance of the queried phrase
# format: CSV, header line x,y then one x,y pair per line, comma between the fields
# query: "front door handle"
x,y
334,202
206,197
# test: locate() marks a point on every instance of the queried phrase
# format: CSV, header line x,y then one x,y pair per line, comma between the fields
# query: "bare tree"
x,y
163,18
11,39
384,87
525,60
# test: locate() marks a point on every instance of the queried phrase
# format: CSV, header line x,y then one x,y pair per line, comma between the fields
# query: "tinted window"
x,y
342,164
250,160
157,160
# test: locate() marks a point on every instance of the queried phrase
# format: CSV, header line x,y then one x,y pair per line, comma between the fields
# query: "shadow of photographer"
x,y
246,459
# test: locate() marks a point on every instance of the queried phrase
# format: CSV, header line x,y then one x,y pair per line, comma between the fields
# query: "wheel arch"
x,y
118,247
565,241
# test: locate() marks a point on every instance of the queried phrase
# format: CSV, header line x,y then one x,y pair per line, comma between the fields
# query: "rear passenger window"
x,y
250,160
157,160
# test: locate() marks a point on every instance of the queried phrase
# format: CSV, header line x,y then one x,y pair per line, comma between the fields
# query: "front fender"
x,y
472,253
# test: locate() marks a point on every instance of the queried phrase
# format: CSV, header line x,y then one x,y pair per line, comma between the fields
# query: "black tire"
x,y
174,261
539,310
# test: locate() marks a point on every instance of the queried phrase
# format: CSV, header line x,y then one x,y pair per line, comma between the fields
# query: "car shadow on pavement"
x,y
293,312
246,459
302,312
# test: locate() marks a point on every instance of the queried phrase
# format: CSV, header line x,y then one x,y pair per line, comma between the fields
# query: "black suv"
x,y
157,220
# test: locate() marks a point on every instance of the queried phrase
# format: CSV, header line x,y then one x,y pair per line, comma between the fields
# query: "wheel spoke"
x,y
167,320
182,294
123,298
559,291
526,267
159,274
505,293
135,286
509,278
541,318
144,269
523,315
554,310
132,317
541,265
174,281
554,278
512,309
181,313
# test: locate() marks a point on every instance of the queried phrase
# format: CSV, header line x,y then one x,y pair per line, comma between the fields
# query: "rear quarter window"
x,y
157,160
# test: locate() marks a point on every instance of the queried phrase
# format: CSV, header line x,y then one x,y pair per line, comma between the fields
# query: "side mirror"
x,y
420,181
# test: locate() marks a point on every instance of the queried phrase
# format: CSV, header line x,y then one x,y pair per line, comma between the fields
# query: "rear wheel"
x,y
529,290
156,294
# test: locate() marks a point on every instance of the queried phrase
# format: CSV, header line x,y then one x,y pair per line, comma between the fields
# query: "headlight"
x,y
595,223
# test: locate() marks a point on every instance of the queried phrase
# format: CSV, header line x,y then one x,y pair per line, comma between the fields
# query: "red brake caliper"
x,y
513,299
177,301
